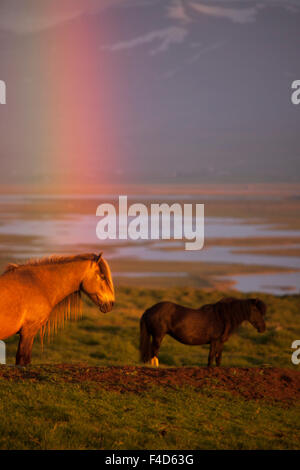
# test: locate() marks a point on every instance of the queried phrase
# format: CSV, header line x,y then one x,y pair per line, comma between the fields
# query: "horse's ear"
x,y
99,257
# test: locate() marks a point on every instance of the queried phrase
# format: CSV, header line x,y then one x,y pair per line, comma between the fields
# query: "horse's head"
x,y
98,284
257,311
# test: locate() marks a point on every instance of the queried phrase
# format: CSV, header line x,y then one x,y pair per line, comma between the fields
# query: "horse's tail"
x,y
145,340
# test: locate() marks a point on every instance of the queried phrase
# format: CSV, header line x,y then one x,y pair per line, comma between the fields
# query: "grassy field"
x,y
41,409
50,415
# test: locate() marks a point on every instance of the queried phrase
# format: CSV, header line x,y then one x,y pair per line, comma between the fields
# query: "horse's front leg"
x,y
23,357
212,353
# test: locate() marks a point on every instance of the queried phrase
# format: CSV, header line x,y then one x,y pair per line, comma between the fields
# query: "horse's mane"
x,y
235,311
70,308
48,260
260,305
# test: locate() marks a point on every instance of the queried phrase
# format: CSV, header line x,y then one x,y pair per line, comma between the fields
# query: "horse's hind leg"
x,y
219,351
23,357
156,342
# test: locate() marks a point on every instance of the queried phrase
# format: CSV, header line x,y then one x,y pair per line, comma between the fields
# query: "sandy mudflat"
x,y
246,205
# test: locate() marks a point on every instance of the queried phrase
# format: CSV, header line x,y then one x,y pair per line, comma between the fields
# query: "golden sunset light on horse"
x,y
40,295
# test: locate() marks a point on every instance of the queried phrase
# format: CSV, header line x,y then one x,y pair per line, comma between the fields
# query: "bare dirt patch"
x,y
272,384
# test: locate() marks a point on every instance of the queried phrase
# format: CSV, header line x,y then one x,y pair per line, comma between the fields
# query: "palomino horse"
x,y
211,324
41,294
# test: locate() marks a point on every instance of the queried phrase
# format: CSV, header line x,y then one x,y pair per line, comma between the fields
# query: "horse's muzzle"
x,y
105,308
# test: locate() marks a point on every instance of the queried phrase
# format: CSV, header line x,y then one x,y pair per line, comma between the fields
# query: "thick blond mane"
x,y
69,309
49,260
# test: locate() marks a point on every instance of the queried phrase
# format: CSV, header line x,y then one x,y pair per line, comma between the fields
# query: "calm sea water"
x,y
72,232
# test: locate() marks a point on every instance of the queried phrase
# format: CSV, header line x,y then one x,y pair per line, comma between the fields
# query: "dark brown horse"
x,y
40,295
211,324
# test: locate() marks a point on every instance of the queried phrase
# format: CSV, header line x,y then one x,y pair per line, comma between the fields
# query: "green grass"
x,y
71,416
51,414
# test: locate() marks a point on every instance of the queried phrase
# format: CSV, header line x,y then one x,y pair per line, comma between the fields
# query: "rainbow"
x,y
76,142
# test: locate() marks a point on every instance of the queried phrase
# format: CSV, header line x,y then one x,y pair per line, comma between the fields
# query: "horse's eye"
x,y
102,277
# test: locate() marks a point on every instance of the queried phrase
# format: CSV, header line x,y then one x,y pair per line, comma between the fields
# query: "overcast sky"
x,y
149,90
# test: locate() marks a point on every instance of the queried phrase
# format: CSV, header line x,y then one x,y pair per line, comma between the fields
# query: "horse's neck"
x,y
240,318
62,280
232,319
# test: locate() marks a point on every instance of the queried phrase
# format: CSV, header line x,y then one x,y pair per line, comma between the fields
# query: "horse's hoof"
x,y
154,361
